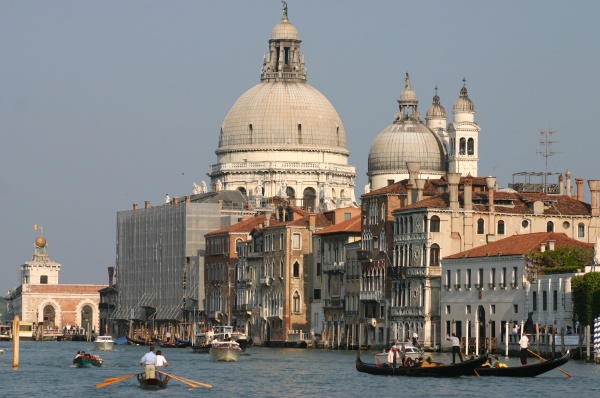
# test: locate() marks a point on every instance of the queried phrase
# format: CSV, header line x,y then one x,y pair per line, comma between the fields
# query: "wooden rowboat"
x,y
423,370
529,370
87,361
158,383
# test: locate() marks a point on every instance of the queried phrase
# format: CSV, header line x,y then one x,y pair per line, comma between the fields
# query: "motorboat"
x,y
202,341
225,351
104,343
229,332
411,351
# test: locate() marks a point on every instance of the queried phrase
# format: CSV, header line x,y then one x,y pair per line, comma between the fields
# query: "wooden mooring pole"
x,y
16,328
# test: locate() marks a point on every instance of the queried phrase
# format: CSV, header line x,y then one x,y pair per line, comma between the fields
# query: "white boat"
x,y
409,350
225,351
104,343
229,333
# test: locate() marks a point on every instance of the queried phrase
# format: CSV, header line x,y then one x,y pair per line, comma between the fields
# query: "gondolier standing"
x,y
149,361
455,347
524,343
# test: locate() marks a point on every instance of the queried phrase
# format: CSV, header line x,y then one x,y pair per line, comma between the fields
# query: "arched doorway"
x,y
480,330
87,318
49,317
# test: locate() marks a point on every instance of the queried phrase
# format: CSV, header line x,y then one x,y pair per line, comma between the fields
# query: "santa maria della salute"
x,y
278,246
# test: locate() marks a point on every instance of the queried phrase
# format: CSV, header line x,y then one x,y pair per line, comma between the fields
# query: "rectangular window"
x,y
555,300
319,269
493,308
447,309
581,231
493,277
544,300
448,279
468,280
468,312
296,241
480,278
514,282
317,294
281,241
516,308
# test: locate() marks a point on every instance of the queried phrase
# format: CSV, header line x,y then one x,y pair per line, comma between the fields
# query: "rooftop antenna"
x,y
547,142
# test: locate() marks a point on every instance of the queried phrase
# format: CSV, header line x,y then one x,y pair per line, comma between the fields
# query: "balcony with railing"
x,y
407,311
370,295
333,267
242,310
333,304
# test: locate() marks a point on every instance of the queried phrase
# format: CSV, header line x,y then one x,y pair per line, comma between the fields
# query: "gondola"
x,y
423,370
170,344
529,370
158,383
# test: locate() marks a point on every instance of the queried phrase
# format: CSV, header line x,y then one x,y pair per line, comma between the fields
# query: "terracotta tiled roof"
x,y
399,188
244,226
510,203
320,221
351,225
65,289
519,245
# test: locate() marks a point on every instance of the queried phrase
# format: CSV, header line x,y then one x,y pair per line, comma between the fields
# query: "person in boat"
x,y
149,363
524,344
415,339
78,354
494,362
161,361
487,364
455,347
394,357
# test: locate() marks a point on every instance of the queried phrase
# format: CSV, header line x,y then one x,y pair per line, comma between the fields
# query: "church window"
x,y
462,148
434,224
309,198
550,226
500,227
434,255
581,230
471,146
480,226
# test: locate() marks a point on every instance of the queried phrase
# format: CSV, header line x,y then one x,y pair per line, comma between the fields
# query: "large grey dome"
x,y
406,141
282,115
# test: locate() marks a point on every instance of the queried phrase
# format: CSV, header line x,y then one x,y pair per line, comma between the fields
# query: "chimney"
x,y
175,201
267,220
188,199
135,206
568,177
312,222
468,193
249,206
147,204
551,244
409,194
420,186
413,171
595,190
111,273
491,183
453,180
579,183
561,184
542,247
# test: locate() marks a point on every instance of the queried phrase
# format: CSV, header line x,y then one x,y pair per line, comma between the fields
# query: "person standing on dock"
x,y
149,361
524,343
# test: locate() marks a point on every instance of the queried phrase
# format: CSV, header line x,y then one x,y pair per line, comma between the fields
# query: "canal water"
x,y
45,371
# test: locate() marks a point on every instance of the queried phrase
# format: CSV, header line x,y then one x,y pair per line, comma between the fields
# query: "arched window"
x,y
550,226
581,230
500,227
434,255
471,146
480,227
434,224
296,270
462,146
290,193
309,197
296,301
242,190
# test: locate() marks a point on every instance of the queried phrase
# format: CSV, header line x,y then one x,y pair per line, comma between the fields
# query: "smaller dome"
x,y
463,103
436,110
40,241
284,31
408,95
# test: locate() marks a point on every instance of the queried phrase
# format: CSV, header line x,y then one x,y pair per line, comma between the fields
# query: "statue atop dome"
x,y
284,17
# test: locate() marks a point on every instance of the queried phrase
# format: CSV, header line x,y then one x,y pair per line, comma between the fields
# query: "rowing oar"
x,y
114,380
119,378
189,382
543,359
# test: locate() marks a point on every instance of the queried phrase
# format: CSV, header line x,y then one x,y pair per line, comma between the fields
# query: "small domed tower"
x,y
436,118
40,270
463,134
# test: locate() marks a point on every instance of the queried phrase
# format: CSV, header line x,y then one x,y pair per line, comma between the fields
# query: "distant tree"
x,y
563,259
585,290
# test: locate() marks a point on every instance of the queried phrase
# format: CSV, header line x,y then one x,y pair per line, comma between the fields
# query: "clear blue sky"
x,y
108,103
